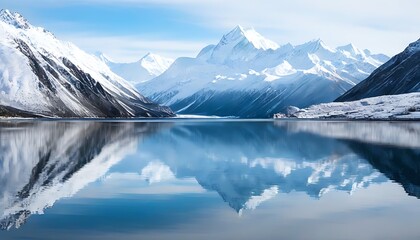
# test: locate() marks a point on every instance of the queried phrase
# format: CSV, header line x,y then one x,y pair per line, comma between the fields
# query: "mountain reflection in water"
x,y
246,163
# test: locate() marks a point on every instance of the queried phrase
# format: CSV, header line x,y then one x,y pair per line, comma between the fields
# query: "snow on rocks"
x,y
390,107
45,76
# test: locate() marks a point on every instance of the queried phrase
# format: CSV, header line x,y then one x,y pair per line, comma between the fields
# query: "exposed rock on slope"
x,y
44,76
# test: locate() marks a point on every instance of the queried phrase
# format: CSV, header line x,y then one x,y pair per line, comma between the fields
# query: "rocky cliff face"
x,y
44,76
399,75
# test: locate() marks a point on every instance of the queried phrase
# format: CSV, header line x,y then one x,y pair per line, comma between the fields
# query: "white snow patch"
x,y
403,106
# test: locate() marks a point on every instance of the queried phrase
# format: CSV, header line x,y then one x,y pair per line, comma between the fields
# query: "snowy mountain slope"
x,y
9,112
45,76
247,75
148,67
389,107
399,75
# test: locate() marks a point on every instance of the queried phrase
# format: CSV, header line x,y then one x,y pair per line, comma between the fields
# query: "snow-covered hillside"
x,y
45,76
399,75
390,92
148,67
248,75
390,107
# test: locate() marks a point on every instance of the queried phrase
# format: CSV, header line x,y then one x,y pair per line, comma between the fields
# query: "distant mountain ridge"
x,y
391,92
149,66
399,75
247,75
44,76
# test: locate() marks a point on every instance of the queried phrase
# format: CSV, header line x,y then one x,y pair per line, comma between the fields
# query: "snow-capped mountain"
x,y
399,75
148,67
390,92
248,75
42,75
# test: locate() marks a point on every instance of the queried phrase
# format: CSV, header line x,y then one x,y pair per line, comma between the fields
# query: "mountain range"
x,y
244,75
399,75
391,92
247,75
43,76
148,67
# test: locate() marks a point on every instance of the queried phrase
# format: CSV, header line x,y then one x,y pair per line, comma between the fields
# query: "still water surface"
x,y
209,180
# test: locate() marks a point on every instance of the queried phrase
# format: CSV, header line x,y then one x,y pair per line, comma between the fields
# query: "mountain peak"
x,y
14,18
240,33
103,57
5,12
414,46
237,32
238,28
316,41
148,54
351,48
155,64
150,57
314,45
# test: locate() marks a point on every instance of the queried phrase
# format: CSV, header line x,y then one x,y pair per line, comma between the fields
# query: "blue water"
x,y
209,179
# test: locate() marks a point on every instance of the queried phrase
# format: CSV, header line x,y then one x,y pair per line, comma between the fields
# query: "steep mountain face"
x,y
399,75
148,67
47,77
247,75
390,92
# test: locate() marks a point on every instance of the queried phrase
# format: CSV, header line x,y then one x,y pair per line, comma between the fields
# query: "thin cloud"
x,y
132,48
386,26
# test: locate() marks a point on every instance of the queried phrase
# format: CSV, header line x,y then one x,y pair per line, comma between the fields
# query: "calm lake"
x,y
209,179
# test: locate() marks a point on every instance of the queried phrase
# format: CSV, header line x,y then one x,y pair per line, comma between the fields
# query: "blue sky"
x,y
127,29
